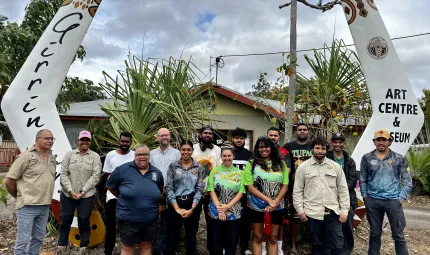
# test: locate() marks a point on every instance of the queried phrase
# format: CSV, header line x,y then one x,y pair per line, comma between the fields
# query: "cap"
x,y
336,136
84,134
206,128
382,133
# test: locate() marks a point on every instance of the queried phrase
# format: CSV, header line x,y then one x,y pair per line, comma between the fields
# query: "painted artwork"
x,y
29,103
394,104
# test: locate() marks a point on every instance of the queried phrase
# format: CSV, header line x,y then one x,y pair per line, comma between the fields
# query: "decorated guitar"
x,y
29,103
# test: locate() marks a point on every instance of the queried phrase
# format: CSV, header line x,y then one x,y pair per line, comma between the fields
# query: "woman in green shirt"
x,y
225,209
266,179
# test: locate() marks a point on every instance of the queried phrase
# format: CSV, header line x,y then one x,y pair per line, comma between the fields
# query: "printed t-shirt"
x,y
209,158
112,161
241,157
226,183
267,182
298,154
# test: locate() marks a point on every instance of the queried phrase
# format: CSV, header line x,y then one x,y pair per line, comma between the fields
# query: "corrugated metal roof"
x,y
88,109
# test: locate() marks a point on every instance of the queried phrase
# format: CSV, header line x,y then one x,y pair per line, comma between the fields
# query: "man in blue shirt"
x,y
138,186
385,183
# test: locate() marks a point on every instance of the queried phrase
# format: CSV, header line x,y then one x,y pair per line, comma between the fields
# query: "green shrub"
x,y
419,164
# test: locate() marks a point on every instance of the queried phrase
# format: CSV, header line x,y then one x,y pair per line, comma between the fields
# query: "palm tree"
x,y
154,94
337,94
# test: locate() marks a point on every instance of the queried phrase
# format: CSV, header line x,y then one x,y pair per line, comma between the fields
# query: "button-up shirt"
x,y
162,159
182,181
80,172
319,186
35,178
388,178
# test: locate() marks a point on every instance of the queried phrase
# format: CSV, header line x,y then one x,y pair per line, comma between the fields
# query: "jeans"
x,y
161,241
375,210
326,235
174,224
110,239
31,228
85,208
348,233
222,235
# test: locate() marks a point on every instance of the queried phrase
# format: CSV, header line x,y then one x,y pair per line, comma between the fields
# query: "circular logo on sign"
x,y
377,48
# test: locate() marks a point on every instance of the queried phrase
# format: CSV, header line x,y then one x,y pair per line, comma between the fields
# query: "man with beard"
x,y
161,158
299,151
275,134
241,154
321,199
348,165
209,156
385,183
205,152
241,157
113,160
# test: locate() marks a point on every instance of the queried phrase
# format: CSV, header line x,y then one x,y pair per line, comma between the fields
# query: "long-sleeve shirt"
x,y
80,172
388,178
319,186
182,181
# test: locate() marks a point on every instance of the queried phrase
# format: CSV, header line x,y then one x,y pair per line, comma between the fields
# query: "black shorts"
x,y
276,217
135,232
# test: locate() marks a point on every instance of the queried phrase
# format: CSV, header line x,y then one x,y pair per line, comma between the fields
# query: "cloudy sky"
x,y
203,28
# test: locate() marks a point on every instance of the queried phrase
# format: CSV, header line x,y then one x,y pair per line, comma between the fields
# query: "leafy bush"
x,y
419,163
3,192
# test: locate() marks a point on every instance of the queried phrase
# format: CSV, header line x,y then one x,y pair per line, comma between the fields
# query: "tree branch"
x,y
284,5
318,6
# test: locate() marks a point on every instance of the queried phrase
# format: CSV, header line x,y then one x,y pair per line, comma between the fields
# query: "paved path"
x,y
417,218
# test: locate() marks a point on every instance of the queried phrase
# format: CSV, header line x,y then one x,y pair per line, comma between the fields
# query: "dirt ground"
x,y
418,240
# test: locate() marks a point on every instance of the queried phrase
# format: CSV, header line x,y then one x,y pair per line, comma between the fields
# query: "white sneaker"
x,y
248,252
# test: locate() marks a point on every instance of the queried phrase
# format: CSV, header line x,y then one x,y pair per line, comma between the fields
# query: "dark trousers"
x,y
326,235
245,229
174,224
375,210
159,244
348,233
222,235
110,213
85,207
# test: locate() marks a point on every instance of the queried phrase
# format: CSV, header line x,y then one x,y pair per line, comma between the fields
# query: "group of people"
x,y
152,194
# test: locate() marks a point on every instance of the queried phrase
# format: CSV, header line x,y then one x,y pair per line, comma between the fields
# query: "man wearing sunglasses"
x,y
385,183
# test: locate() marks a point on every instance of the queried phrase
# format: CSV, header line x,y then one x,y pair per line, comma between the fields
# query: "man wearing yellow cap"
x,y
385,183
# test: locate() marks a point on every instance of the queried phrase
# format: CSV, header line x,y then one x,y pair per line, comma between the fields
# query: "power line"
x,y
305,50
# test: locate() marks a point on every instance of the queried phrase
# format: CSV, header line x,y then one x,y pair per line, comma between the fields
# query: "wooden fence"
x,y
8,152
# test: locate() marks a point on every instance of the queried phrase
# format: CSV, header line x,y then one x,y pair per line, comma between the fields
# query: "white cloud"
x,y
239,26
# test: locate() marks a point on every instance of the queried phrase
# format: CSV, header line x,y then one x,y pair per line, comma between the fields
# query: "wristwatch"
x,y
82,192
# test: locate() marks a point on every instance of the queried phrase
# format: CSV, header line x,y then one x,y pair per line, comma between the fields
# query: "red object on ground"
x,y
267,224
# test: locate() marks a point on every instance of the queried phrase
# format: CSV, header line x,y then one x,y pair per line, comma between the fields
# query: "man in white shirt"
x,y
161,158
209,156
205,152
113,160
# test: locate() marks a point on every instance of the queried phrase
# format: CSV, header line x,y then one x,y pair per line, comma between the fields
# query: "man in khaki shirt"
x,y
30,181
80,172
321,199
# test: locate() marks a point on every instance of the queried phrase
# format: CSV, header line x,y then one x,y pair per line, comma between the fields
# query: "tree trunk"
x,y
290,103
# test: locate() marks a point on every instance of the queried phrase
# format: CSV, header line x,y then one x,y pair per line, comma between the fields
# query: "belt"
x,y
185,197
327,211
